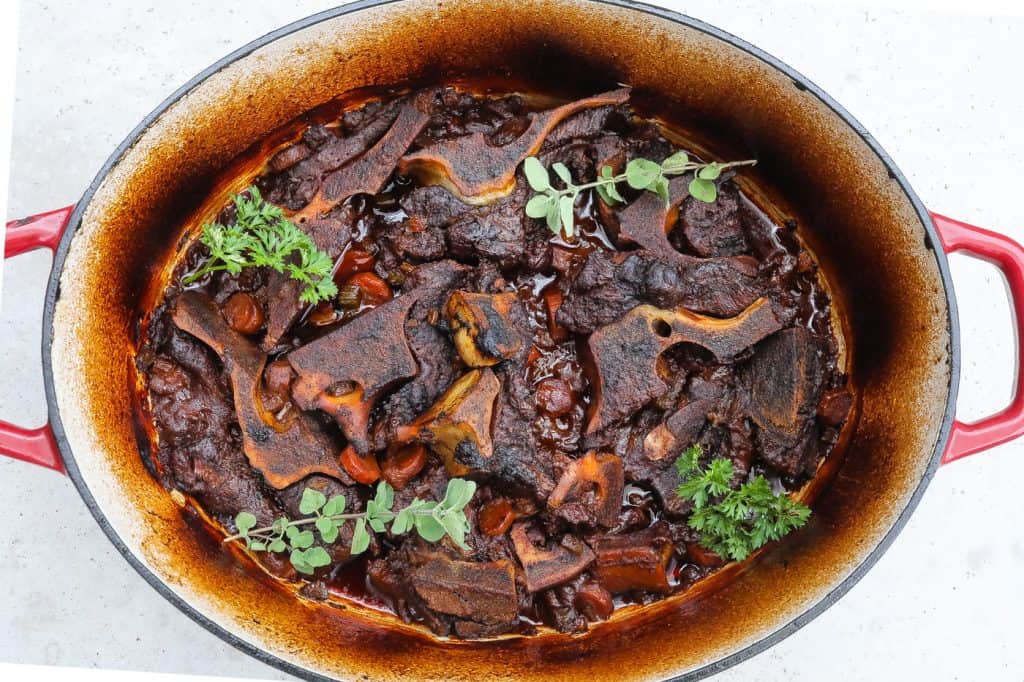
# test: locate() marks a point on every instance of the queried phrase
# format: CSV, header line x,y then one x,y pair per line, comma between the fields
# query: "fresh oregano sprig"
x,y
734,523
432,521
261,236
556,205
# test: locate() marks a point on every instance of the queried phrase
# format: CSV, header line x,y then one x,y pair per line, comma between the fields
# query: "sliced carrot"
x,y
496,517
363,469
402,466
375,290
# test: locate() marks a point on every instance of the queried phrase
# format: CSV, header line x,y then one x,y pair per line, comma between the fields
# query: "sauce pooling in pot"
x,y
595,361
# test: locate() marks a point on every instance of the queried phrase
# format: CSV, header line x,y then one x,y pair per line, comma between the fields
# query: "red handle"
x,y
1008,256
42,231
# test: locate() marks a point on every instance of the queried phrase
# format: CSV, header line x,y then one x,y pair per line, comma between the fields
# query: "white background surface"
x,y
941,91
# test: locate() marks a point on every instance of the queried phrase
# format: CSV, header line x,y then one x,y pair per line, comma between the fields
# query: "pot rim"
x,y
800,81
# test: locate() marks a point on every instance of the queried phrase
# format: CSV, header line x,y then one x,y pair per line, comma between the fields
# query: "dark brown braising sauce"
x,y
564,289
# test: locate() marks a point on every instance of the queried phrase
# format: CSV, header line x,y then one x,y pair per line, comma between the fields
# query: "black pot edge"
x,y
932,240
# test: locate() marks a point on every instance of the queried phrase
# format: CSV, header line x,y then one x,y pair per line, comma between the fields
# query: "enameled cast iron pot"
x,y
883,254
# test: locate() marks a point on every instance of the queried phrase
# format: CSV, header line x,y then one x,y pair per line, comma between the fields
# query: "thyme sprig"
x,y
734,523
261,236
556,205
431,520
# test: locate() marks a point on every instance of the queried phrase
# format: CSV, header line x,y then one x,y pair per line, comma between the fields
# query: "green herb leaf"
x,y
262,237
432,520
562,171
303,540
324,525
245,522
402,523
676,161
429,528
565,207
458,494
661,189
360,538
536,175
613,192
538,206
710,171
317,557
734,522
703,190
385,497
312,500
642,173
335,505
456,528
553,217
298,560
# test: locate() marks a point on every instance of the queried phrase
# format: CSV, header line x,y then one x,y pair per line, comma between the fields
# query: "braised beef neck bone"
x,y
590,490
482,327
785,380
368,173
283,453
625,353
717,286
331,234
679,430
345,372
646,221
476,591
547,566
477,172
637,561
458,425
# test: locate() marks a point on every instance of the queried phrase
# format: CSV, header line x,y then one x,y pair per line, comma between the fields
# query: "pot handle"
x,y
1008,256
42,231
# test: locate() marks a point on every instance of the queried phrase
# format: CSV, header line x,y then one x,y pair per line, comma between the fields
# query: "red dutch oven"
x,y
883,255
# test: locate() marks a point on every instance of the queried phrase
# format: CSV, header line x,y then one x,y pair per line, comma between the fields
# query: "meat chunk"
x,y
458,425
495,231
436,358
785,381
432,206
482,326
590,490
634,562
609,286
625,354
295,187
479,592
581,125
551,565
345,372
283,453
716,228
368,173
471,168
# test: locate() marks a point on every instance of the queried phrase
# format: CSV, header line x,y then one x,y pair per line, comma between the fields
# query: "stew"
x,y
575,378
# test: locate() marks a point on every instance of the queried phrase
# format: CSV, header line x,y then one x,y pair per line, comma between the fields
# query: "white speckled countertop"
x,y
941,92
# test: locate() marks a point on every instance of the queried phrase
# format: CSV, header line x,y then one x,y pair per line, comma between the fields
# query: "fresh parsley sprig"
x,y
556,205
261,236
432,521
734,523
